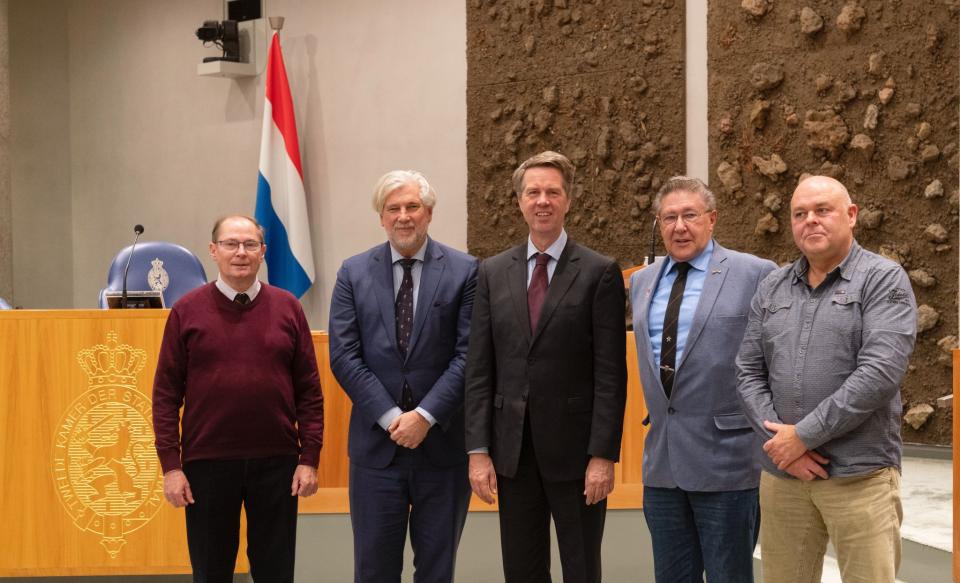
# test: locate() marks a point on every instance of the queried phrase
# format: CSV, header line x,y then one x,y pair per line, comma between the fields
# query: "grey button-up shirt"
x,y
830,360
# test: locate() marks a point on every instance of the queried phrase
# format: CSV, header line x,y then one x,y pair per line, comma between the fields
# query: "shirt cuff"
x,y
387,418
480,450
810,432
423,413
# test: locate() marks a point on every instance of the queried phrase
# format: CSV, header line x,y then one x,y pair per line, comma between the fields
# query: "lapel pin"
x,y
715,272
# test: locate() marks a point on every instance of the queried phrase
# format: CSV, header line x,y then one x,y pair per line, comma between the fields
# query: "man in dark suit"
x,y
399,325
700,469
546,384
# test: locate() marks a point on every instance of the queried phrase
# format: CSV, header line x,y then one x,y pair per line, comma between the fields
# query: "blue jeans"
x,y
693,532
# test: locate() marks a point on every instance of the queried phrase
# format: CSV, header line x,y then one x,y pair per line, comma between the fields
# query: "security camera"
x,y
221,34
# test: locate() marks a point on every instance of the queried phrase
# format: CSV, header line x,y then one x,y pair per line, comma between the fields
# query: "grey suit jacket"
x,y
699,439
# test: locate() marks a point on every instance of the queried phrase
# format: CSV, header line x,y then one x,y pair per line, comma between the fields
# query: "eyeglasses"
x,y
688,217
231,245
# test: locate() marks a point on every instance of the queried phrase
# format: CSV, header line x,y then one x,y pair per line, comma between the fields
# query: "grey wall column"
x,y
6,221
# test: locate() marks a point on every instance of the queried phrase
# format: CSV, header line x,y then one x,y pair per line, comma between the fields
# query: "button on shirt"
x,y
691,297
830,359
415,272
554,251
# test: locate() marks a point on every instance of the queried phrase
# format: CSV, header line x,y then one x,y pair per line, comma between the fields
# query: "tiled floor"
x,y
926,489
927,492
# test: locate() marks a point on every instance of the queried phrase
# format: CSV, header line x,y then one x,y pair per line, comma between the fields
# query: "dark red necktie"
x,y
537,290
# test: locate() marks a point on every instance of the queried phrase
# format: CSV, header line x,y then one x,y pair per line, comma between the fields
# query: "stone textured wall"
x,y
600,81
865,92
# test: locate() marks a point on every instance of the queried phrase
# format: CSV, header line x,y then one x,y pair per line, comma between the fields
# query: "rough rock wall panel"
x,y
600,81
865,92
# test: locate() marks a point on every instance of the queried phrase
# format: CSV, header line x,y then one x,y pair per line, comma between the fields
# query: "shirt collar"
x,y
419,255
801,266
554,250
231,293
700,262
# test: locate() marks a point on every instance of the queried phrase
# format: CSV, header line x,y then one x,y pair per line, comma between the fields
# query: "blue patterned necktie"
x,y
404,316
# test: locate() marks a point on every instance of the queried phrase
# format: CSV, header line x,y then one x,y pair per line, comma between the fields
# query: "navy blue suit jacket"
x,y
367,363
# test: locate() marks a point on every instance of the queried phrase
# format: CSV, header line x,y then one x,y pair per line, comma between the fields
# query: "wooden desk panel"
x,y
81,492
80,485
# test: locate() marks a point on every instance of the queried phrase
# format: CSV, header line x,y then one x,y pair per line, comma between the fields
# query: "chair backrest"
x,y
172,269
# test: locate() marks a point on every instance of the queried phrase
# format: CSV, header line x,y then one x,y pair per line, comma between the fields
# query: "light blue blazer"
x,y
699,440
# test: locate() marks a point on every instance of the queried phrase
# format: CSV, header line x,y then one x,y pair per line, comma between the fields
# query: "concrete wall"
x,y
43,238
113,127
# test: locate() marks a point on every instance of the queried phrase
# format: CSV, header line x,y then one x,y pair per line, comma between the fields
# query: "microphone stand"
x,y
138,229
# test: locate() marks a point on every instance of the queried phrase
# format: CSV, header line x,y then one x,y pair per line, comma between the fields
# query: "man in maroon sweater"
x,y
238,356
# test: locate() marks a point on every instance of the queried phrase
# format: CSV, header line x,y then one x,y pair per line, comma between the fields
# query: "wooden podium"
x,y
81,490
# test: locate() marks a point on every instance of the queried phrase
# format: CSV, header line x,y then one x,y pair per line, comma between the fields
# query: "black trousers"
x,y
262,487
527,502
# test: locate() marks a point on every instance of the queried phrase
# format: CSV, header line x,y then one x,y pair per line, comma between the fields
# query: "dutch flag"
x,y
281,199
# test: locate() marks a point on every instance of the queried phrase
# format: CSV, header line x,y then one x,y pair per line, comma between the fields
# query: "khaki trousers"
x,y
860,514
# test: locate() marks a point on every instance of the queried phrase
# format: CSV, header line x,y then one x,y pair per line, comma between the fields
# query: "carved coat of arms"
x,y
105,470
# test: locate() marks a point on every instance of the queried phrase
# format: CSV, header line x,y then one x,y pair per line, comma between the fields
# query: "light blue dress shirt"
x,y
387,418
691,297
415,272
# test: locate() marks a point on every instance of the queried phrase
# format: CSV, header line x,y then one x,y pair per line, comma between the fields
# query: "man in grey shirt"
x,y
819,371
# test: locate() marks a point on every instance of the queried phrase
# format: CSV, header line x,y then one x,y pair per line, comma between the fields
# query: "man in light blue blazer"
x,y
700,470
399,327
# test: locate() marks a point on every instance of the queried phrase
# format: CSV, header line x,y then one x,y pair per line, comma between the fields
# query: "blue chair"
x,y
156,265
4,305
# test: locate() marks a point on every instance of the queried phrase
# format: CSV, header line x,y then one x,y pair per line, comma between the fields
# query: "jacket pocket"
x,y
731,422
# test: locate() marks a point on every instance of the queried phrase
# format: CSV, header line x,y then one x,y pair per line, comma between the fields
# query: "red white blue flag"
x,y
281,199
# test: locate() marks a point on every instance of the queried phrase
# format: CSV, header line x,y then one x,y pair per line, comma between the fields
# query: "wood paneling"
x,y
79,476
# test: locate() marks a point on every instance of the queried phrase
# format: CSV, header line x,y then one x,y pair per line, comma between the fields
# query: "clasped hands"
x,y
409,429
790,454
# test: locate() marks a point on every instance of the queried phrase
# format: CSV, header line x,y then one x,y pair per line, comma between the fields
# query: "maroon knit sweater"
x,y
246,377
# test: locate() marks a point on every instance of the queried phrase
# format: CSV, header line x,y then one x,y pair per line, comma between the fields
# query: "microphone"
x,y
138,229
653,243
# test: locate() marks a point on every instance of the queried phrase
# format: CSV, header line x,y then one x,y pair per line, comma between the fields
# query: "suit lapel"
x,y
430,276
382,270
567,270
517,283
649,290
716,274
